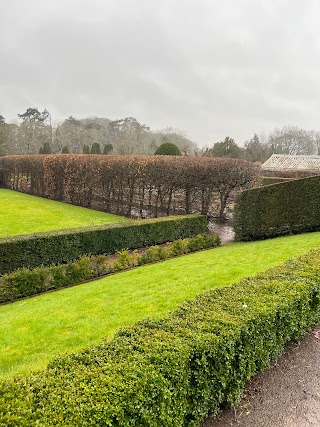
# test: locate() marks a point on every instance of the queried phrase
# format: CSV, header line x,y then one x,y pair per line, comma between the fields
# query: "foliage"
x,y
25,282
95,149
126,136
33,115
57,247
45,149
172,372
225,148
177,137
81,316
284,208
107,148
267,180
34,132
65,150
86,149
168,149
131,184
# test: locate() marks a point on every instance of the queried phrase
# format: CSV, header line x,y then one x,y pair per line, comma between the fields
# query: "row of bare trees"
x,y
131,185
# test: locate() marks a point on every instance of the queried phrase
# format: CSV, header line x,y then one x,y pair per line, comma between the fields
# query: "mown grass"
x,y
34,330
25,214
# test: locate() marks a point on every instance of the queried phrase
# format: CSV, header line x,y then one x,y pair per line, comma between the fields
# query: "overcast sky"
x,y
211,68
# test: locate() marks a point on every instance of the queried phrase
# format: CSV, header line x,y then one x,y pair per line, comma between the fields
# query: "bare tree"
x,y
255,150
177,137
3,136
34,131
291,140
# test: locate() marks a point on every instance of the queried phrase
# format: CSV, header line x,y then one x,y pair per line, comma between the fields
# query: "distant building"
x,y
286,162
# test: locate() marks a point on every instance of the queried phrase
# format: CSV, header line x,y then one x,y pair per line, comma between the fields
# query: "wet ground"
x,y
224,229
286,395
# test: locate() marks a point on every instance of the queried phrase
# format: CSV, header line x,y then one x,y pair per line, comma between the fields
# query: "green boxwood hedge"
x,y
56,247
26,282
173,372
286,208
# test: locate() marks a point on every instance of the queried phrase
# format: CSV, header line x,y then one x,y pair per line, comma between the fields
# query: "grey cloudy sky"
x,y
209,67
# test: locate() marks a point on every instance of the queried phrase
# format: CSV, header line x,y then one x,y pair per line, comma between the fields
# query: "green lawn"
x,y
24,214
34,330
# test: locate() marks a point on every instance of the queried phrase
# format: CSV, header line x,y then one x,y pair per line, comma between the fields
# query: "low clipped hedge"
x,y
287,208
173,372
56,247
25,282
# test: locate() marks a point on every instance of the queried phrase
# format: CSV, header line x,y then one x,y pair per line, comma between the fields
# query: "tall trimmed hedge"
x,y
172,372
284,208
56,247
130,185
267,180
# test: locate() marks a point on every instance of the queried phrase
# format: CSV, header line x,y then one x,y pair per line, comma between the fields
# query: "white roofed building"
x,y
286,162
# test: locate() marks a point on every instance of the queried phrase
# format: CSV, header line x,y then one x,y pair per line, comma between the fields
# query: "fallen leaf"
x,y
317,335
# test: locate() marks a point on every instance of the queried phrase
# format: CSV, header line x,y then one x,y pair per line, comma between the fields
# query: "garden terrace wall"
x,y
172,372
127,185
278,209
61,246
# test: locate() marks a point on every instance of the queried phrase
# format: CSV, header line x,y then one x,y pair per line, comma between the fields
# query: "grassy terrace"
x,y
34,330
24,214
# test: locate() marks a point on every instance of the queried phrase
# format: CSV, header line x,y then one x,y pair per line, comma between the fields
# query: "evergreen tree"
x,y
168,149
95,149
86,149
46,148
225,148
65,150
107,148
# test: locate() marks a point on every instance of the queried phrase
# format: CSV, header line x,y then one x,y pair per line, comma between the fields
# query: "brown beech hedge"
x,y
127,185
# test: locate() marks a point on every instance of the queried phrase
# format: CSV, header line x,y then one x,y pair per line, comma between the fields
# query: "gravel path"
x,y
286,395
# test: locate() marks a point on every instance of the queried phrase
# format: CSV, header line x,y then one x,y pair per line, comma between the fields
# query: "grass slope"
x,y
34,330
25,214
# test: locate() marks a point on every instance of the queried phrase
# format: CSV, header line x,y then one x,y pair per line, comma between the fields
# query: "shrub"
x,y
65,150
284,208
62,246
168,149
24,282
124,258
179,247
156,253
211,240
173,371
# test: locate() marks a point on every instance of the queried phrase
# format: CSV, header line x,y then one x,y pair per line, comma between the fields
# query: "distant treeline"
x,y
34,133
